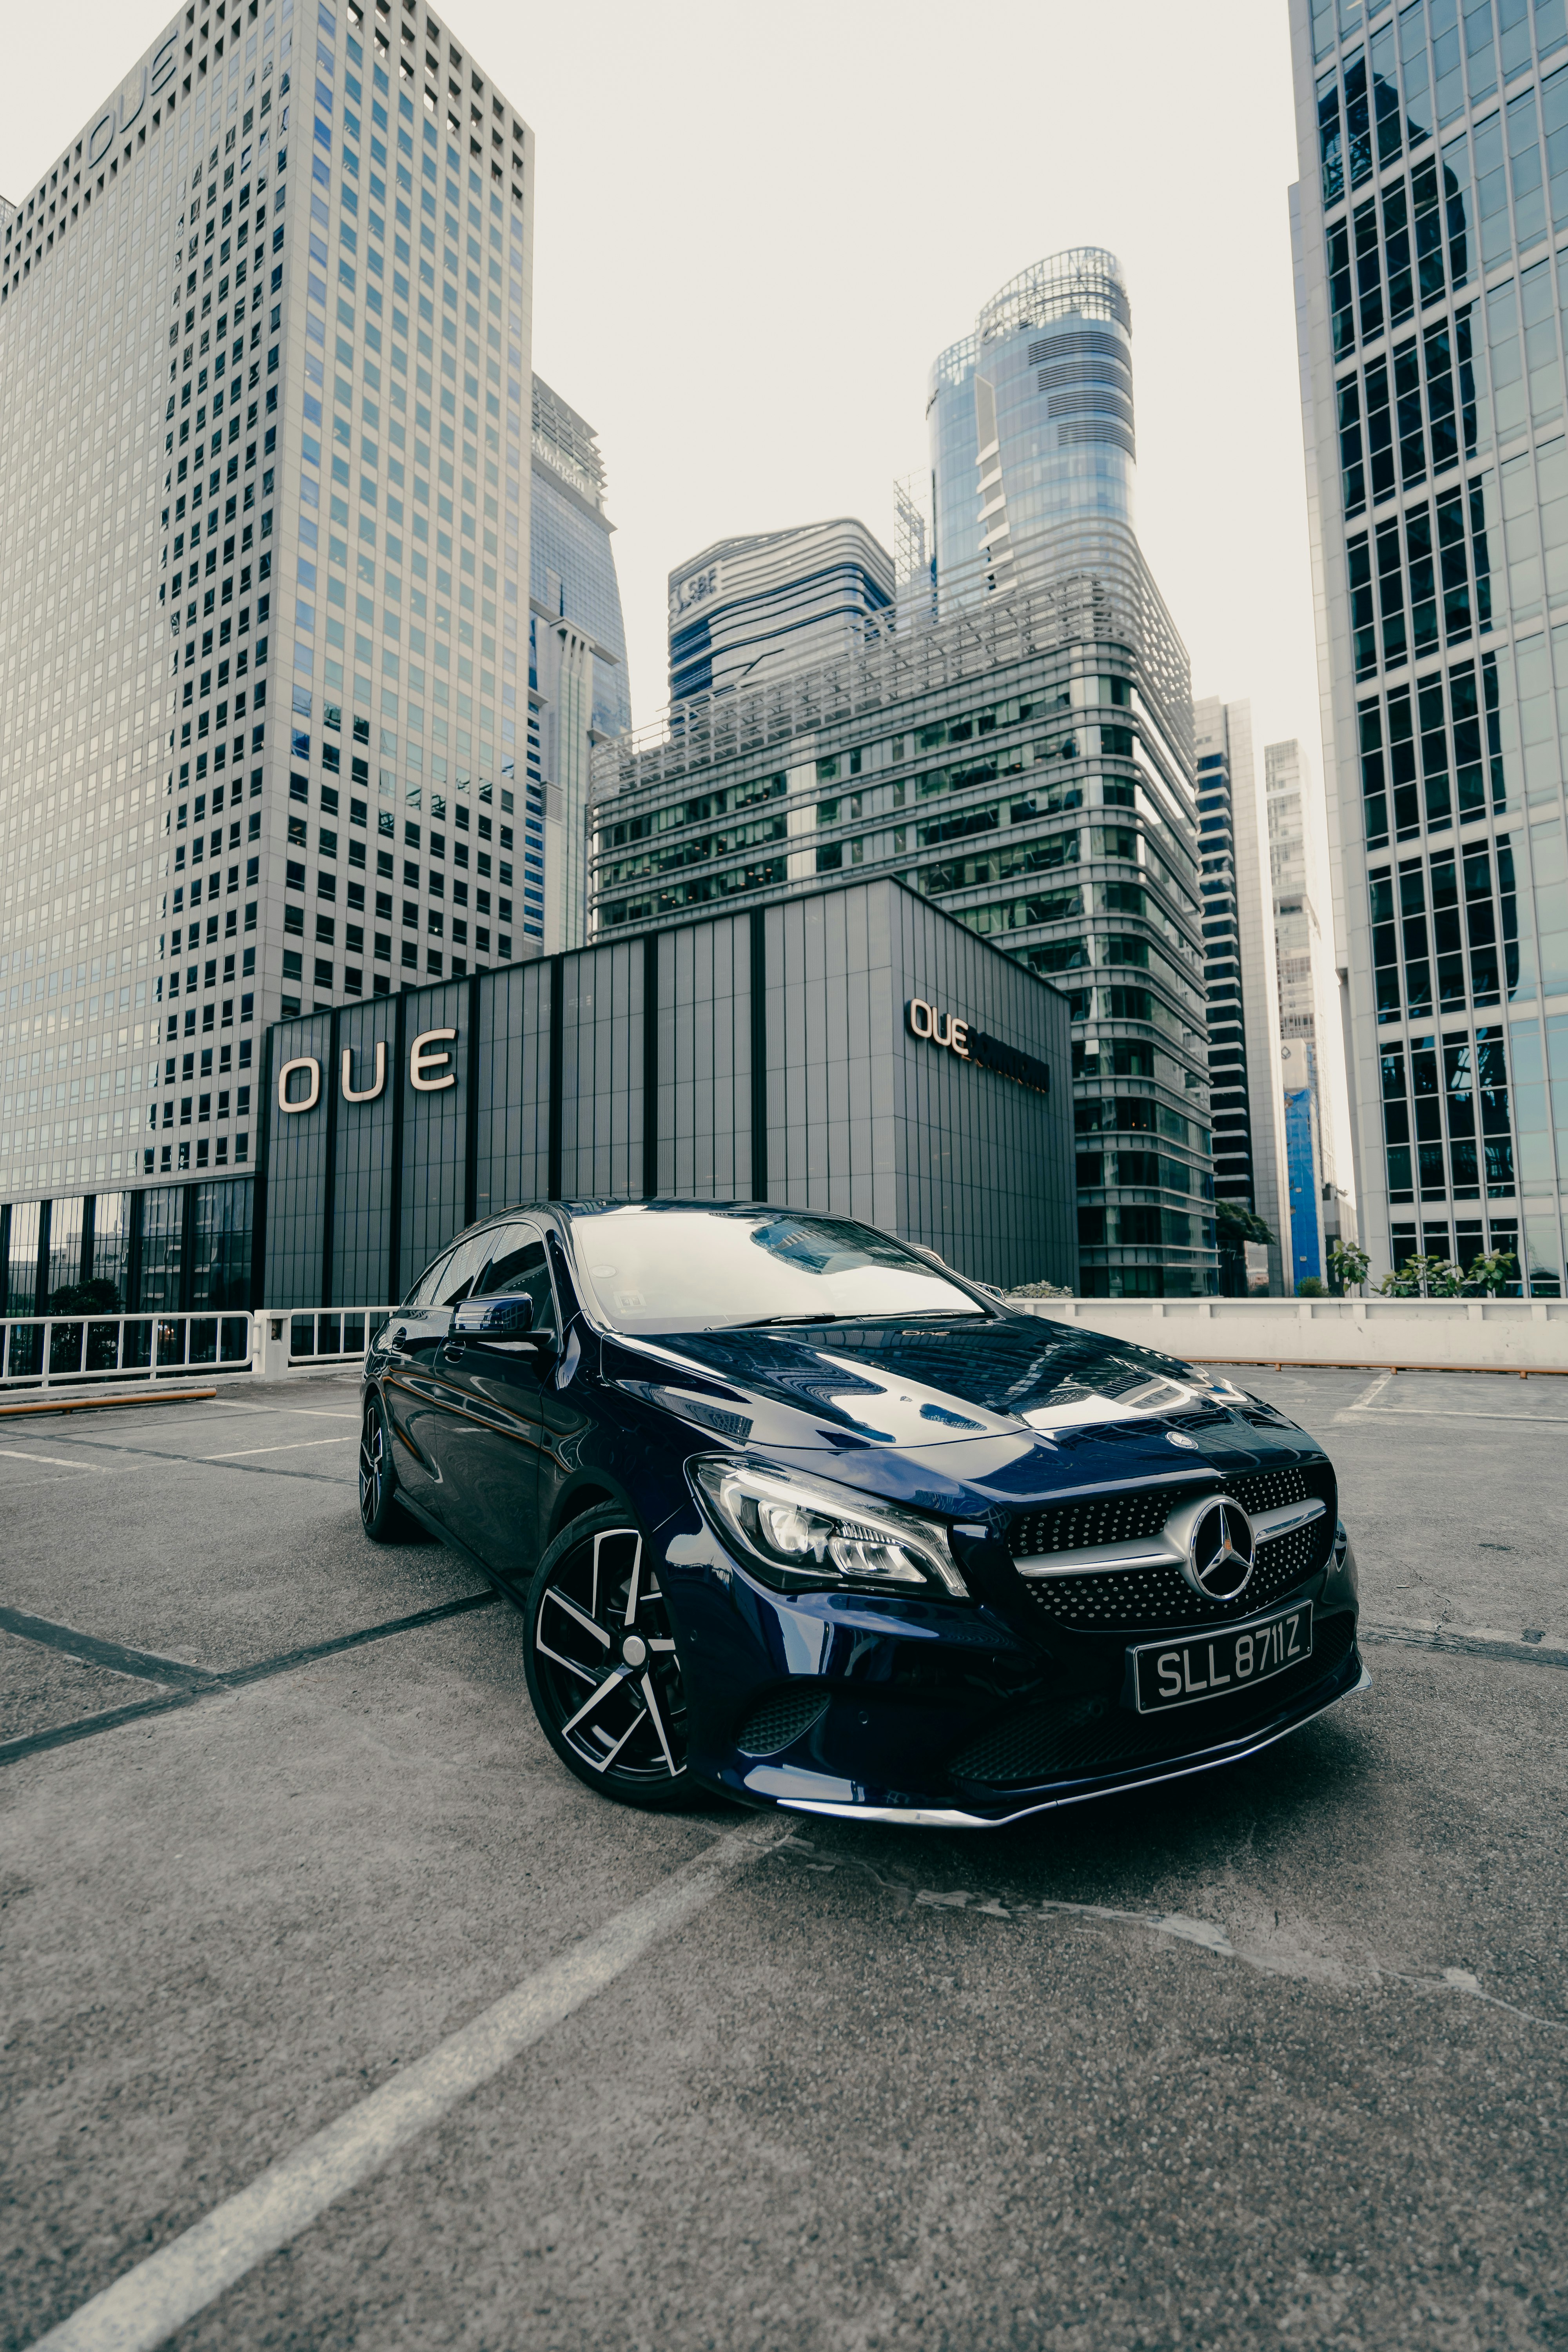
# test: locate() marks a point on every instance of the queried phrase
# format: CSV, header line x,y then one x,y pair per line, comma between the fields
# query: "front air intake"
x,y
781,1720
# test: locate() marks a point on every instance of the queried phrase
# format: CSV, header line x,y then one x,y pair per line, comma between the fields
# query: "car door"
x,y
503,1384
419,1385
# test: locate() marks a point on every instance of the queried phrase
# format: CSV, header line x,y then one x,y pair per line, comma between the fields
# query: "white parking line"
x,y
1444,1413
298,1445
61,1461
149,2302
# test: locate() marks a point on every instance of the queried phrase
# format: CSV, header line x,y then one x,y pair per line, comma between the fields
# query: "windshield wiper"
x,y
871,1315
817,1315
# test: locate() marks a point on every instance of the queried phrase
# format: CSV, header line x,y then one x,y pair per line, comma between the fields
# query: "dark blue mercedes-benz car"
x,y
796,1514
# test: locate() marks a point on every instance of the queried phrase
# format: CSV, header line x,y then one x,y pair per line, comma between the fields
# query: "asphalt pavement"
x,y
317,1967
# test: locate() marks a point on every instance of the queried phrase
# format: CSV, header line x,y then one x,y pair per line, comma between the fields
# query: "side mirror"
x,y
493,1318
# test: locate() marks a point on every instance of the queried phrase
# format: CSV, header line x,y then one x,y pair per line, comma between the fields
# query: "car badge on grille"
x,y
1221,1551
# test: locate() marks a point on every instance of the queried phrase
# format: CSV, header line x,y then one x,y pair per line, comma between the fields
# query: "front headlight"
x,y
802,1533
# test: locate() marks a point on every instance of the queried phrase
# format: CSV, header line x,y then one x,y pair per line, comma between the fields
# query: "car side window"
x,y
519,1267
424,1291
463,1269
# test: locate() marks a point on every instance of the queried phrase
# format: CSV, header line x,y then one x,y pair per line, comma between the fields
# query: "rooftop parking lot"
x,y
1271,2056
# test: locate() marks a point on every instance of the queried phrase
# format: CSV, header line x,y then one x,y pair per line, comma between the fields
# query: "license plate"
x,y
1215,1666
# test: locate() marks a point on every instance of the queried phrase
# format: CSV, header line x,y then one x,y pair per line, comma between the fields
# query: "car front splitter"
x,y
933,1817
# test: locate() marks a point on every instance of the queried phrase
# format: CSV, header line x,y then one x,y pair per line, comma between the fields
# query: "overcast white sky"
x,y
757,226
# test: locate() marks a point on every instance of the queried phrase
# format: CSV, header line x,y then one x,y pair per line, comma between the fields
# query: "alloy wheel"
x,y
605,1663
372,1467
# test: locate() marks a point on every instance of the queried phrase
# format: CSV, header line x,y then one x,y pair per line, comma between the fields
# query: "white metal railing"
x,y
86,1352
327,1335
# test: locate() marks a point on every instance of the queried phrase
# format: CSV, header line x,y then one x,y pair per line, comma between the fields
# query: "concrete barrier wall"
x,y
1522,1335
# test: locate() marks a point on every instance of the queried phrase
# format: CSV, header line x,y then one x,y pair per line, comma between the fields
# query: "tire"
x,y
381,1514
602,1667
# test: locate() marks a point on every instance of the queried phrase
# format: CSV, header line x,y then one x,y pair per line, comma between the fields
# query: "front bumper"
x,y
1349,1681
884,1708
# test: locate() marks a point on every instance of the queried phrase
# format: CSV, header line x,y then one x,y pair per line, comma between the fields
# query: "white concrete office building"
x,y
1311,1039
264,386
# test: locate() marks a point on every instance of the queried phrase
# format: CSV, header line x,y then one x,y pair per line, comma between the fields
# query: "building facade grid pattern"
x,y
1433,191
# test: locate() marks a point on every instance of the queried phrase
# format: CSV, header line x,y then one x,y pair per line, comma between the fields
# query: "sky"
x,y
756,228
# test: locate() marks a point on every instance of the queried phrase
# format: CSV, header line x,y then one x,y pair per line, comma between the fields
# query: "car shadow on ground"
x,y
1140,1846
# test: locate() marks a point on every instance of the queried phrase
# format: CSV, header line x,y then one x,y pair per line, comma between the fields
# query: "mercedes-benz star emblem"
x,y
1221,1552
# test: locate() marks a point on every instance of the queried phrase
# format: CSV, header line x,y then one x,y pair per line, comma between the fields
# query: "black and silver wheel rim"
x,y
605,1659
372,1466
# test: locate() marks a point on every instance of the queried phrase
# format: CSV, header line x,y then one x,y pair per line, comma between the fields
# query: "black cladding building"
x,y
854,1051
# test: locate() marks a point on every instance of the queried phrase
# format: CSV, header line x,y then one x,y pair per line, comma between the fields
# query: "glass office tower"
x,y
264,331
747,608
1030,420
1240,976
578,689
572,564
1433,191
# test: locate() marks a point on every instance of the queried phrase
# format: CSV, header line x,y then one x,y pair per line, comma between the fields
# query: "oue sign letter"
x,y
429,1070
427,1056
308,1100
938,1028
974,1047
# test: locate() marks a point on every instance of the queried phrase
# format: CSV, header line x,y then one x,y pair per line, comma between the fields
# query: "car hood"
x,y
961,1416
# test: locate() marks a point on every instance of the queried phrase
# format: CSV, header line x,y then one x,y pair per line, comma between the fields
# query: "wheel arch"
x,y
579,1500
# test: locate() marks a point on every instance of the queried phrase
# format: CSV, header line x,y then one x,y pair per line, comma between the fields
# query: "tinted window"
x,y
423,1290
463,1268
694,1269
519,1267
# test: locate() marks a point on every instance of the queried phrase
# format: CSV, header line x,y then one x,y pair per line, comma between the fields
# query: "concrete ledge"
x,y
77,1401
1475,1335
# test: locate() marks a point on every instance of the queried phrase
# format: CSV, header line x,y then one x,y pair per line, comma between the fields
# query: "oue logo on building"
x,y
430,1069
973,1045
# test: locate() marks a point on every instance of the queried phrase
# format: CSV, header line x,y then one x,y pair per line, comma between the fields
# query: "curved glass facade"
x,y
746,609
1030,418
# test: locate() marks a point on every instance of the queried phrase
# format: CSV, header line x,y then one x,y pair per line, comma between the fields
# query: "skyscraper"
x,y
1013,740
578,689
1239,976
746,609
1432,190
1310,1044
1030,421
263,334
572,564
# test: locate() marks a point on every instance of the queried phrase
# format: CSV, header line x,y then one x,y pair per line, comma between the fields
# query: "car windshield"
x,y
652,1269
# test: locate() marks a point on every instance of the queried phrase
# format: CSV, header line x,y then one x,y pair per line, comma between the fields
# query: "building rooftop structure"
x,y
755,606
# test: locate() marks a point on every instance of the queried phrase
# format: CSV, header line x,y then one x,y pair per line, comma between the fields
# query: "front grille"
x,y
1096,1519
1266,1490
1155,1601
1140,1511
1151,1598
1084,1736
781,1720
